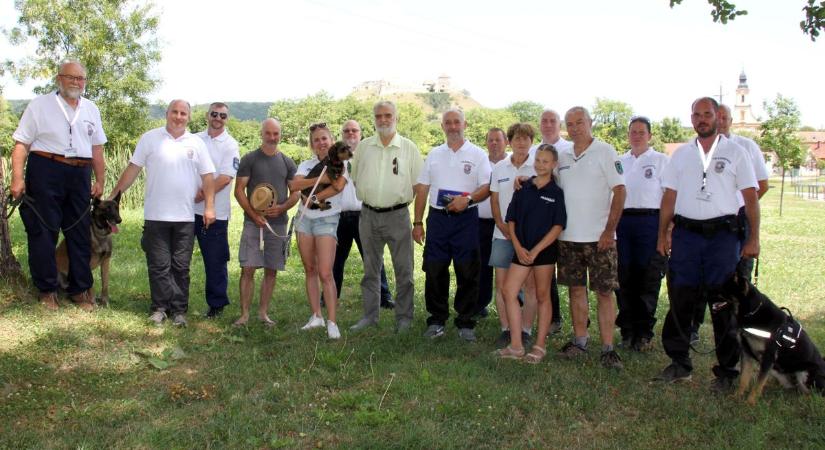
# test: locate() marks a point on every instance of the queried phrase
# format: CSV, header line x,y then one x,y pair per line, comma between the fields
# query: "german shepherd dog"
x,y
105,218
334,162
772,341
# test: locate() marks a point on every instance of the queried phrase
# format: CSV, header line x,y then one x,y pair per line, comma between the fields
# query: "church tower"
x,y
743,118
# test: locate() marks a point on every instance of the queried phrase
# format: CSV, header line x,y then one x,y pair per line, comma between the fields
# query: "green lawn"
x,y
75,380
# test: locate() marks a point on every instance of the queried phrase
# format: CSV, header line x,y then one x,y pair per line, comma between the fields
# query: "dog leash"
x,y
29,201
292,223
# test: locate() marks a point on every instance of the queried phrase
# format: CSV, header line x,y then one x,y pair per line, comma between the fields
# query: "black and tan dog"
x,y
334,162
105,218
773,343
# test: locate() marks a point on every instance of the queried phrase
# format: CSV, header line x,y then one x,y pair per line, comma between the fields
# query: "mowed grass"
x,y
110,380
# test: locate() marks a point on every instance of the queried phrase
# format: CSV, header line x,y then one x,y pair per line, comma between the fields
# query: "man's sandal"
x,y
510,353
536,355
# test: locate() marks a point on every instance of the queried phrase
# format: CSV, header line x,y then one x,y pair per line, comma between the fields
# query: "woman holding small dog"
x,y
317,230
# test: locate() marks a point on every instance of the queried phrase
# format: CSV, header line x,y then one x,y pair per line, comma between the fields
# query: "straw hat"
x,y
263,196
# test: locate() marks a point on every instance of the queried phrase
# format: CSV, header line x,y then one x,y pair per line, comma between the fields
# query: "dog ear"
x,y
117,197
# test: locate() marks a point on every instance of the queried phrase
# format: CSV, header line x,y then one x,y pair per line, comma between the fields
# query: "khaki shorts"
x,y
249,250
577,260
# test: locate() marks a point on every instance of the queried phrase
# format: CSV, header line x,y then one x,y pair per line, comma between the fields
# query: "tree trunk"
x,y
9,267
781,192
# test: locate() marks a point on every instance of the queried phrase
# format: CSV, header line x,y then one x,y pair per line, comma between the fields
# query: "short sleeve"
x,y
205,164
560,216
745,176
230,162
484,170
424,174
494,176
670,176
512,208
99,136
27,128
417,162
612,167
245,166
291,168
142,151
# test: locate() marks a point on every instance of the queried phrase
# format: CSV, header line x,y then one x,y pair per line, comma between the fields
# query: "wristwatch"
x,y
314,198
471,202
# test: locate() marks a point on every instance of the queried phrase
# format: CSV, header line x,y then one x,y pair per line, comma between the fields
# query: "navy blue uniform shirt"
x,y
535,211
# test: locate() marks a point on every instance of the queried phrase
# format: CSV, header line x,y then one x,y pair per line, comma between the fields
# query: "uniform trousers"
x,y
700,263
61,194
451,238
486,227
214,245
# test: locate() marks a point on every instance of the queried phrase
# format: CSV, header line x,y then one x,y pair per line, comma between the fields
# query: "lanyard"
x,y
706,158
66,115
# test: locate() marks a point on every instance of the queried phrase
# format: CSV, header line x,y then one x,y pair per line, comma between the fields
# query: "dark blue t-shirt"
x,y
535,211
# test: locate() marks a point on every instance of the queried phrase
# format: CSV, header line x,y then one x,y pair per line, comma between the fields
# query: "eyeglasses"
x,y
215,114
642,119
73,78
395,166
351,130
316,126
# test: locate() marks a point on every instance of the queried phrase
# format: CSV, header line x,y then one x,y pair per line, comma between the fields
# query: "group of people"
x,y
548,211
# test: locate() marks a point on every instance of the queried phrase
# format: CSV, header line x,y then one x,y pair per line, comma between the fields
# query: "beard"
x,y
71,92
709,131
385,131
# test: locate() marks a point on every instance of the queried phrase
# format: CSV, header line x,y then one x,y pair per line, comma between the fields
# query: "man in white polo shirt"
x,y
594,192
213,241
456,175
62,137
550,128
175,162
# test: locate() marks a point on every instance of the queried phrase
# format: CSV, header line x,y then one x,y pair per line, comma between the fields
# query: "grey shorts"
x,y
274,254
322,226
501,253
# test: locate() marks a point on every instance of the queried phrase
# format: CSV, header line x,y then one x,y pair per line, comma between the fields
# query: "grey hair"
x,y
67,61
454,110
578,109
551,111
386,103
179,100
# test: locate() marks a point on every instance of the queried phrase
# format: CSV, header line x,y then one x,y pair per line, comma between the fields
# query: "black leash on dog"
x,y
756,272
29,201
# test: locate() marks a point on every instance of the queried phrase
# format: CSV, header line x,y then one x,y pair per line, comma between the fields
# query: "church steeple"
x,y
743,117
743,80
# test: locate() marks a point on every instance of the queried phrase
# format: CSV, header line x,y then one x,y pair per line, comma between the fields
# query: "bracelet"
x,y
416,224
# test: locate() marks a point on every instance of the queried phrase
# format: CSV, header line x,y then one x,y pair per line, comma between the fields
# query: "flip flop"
x,y
509,353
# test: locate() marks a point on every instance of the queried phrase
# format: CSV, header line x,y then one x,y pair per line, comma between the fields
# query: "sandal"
x,y
536,355
510,353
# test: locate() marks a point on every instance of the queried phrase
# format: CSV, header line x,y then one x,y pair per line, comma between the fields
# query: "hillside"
x,y
240,110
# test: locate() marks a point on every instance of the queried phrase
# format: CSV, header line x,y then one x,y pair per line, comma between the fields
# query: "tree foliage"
x,y
8,123
610,119
526,111
778,132
814,21
480,120
114,39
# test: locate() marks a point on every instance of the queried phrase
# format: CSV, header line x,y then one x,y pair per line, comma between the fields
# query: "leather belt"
x,y
350,213
640,212
708,227
447,212
74,162
387,209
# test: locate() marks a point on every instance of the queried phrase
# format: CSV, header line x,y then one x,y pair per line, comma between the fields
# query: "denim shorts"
x,y
321,226
501,253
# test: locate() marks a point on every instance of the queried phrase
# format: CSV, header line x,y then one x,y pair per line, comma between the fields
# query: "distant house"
x,y
814,141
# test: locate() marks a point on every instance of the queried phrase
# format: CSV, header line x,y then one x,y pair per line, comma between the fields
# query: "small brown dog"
x,y
105,218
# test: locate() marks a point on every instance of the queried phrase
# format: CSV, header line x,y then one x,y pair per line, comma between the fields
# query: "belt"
x,y
387,209
350,213
446,212
74,162
640,212
708,227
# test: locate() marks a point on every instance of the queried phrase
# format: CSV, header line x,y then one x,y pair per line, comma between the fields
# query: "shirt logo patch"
x,y
648,173
619,167
504,180
190,153
90,128
236,163
563,168
548,199
720,166
467,169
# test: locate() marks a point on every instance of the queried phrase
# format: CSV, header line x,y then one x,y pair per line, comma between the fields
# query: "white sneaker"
x,y
332,330
314,322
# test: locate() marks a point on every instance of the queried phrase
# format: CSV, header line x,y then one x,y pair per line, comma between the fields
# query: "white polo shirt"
x,y
643,178
223,150
463,171
729,172
504,174
349,199
45,127
335,200
588,181
760,169
561,145
174,167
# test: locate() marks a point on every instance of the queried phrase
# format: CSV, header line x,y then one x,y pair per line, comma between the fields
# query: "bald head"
x,y
177,117
550,126
271,133
724,119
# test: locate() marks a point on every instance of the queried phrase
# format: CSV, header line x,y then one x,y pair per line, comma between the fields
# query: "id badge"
x,y
70,152
703,195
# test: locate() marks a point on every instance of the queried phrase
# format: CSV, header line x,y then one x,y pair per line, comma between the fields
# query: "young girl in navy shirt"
x,y
536,217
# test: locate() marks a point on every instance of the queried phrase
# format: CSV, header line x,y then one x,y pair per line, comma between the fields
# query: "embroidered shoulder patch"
x,y
236,163
619,167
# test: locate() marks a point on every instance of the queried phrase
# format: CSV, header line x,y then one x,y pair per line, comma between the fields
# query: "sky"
x,y
558,54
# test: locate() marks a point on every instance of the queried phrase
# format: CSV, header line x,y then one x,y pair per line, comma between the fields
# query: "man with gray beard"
x,y
385,168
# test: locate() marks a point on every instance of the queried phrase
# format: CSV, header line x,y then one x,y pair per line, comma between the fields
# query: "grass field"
x,y
111,380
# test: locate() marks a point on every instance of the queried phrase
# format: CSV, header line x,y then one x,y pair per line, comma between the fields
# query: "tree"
x,y
480,120
610,119
9,267
112,38
814,14
778,133
526,111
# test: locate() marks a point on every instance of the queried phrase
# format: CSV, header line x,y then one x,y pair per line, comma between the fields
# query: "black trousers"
x,y
214,245
347,234
61,194
168,247
485,279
